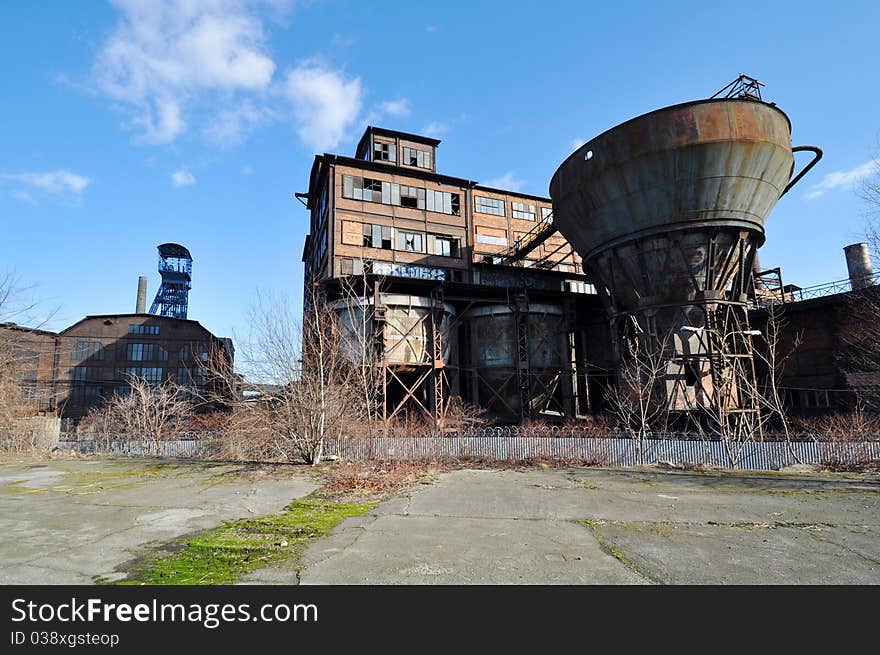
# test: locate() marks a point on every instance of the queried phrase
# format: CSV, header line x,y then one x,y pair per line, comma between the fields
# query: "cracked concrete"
x,y
643,527
68,521
73,521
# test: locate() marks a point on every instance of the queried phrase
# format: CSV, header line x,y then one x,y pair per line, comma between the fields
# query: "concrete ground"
x,y
70,521
610,526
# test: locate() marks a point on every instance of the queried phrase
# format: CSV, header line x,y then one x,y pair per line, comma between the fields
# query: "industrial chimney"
x,y
141,306
858,264
667,211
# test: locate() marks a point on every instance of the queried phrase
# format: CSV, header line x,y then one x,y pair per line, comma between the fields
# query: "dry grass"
x,y
382,479
379,479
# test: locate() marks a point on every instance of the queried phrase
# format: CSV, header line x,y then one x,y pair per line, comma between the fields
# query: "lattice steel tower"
x,y
175,266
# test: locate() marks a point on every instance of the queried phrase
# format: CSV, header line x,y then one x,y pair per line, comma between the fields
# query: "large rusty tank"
x,y
668,211
648,196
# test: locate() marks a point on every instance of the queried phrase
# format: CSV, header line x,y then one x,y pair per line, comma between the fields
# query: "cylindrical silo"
x,y
406,338
667,211
500,362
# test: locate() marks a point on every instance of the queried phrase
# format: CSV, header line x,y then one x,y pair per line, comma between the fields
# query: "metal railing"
x,y
817,291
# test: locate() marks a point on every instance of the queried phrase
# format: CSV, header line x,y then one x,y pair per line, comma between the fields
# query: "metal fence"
x,y
508,446
190,447
611,451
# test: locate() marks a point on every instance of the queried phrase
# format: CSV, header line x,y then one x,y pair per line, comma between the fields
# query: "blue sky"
x,y
130,123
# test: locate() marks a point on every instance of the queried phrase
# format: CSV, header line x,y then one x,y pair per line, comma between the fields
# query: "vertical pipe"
x,y
141,306
858,264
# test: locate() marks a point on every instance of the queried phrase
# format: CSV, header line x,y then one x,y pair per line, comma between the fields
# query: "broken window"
x,y
377,236
413,197
445,246
389,193
361,188
523,211
547,214
409,241
372,190
444,202
384,152
489,206
416,157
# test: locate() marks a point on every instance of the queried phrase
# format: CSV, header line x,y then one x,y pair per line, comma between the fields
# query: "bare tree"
x,y
639,400
148,411
21,348
765,390
356,312
869,191
303,389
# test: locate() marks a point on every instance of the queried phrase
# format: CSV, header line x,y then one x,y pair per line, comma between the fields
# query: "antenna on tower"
x,y
175,267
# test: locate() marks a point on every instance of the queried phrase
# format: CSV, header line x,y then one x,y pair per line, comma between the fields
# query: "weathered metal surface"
x,y
706,163
406,334
496,359
668,211
493,329
858,265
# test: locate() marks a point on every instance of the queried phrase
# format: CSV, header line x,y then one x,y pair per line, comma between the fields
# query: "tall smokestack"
x,y
141,307
858,263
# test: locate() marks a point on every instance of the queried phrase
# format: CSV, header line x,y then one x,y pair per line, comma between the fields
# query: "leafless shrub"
x,y
150,412
849,434
771,357
304,389
639,401
21,397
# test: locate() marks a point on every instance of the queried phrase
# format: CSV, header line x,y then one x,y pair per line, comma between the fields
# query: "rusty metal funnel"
x,y
667,211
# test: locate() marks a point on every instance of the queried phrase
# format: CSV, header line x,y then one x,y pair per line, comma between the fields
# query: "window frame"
x,y
490,202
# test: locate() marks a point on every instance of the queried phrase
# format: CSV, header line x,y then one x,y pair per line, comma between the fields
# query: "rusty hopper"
x,y
668,212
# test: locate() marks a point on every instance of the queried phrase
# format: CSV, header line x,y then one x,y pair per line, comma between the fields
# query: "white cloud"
x,y
508,182
182,177
233,125
576,143
398,108
435,129
56,182
841,179
166,56
325,103
340,41
24,197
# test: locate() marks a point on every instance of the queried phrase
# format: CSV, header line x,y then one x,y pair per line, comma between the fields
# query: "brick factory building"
x,y
461,301
69,372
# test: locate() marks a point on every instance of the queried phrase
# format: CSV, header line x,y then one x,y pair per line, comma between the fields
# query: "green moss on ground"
x,y
221,555
81,482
